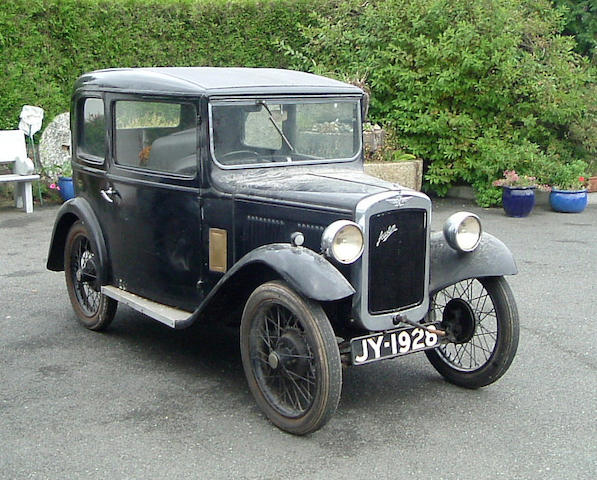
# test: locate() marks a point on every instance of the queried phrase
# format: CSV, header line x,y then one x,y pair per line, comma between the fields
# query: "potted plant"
x,y
569,187
518,193
64,183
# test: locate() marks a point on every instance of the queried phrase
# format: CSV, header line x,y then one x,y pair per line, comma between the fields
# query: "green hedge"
x,y
46,44
472,87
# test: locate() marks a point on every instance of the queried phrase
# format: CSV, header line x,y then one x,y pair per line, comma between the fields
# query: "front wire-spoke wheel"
x,y
481,321
291,358
82,271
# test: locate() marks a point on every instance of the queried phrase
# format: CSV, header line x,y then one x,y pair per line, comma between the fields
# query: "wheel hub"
x,y
290,353
273,360
87,273
459,320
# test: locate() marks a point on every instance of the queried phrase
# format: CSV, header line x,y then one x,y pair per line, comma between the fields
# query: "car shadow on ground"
x,y
212,353
208,348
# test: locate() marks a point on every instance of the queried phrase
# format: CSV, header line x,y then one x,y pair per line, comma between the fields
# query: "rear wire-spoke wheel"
x,y
82,271
481,320
291,359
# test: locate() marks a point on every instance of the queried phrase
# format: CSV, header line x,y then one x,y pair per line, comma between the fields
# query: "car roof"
x,y
212,81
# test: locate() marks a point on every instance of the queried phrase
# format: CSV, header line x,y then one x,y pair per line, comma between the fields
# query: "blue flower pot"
x,y
518,201
67,189
568,201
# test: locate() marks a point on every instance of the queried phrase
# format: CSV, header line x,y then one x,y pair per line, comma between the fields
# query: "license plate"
x,y
392,343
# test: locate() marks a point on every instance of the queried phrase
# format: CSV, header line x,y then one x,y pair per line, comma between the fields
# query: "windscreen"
x,y
262,132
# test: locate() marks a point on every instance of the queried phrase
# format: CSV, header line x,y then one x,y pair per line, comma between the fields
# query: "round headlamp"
x,y
463,231
342,241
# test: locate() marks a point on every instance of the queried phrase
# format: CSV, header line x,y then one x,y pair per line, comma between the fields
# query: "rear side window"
x,y
92,128
156,136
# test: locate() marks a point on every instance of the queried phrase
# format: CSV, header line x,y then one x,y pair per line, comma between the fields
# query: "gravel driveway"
x,y
141,401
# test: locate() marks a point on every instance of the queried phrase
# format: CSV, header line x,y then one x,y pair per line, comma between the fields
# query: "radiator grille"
x,y
397,246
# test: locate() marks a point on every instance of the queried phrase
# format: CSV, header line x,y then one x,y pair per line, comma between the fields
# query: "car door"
x,y
152,199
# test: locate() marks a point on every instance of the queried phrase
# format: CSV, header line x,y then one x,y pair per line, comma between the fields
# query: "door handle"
x,y
107,194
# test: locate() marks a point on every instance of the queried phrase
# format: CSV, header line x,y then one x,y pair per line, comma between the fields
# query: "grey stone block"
x,y
408,174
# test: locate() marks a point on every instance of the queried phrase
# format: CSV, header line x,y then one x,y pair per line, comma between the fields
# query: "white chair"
x,y
13,150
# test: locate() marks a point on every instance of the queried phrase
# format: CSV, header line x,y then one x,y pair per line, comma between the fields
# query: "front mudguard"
x,y
304,270
490,259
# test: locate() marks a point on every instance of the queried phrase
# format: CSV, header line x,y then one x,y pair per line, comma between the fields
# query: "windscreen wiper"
x,y
271,119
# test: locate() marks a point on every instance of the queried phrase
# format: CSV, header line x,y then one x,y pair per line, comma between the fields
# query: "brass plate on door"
x,y
218,250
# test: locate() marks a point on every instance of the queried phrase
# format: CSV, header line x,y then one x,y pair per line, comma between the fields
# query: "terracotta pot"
x,y
592,184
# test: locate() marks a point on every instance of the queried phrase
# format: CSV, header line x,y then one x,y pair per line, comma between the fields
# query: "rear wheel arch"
x,y
61,229
77,209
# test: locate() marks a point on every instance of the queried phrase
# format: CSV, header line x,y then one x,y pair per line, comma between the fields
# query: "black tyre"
x,y
291,359
82,271
481,319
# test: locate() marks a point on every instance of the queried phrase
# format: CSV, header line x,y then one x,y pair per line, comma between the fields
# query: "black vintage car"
x,y
238,195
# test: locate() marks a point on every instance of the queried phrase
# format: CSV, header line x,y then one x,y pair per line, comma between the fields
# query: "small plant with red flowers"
x,y
570,176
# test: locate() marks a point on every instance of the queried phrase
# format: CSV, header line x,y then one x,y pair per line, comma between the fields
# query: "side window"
x,y
92,128
156,136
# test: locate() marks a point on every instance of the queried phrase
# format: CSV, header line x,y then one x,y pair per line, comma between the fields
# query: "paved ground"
x,y
144,402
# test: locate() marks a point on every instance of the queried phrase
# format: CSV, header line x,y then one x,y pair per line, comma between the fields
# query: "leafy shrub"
x,y
473,88
581,21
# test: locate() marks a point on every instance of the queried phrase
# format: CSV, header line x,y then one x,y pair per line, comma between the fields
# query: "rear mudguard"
x,y
491,259
76,209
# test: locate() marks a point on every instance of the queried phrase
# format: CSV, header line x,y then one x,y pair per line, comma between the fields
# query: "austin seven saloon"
x,y
237,196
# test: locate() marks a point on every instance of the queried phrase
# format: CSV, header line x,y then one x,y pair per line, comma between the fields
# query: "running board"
x,y
173,317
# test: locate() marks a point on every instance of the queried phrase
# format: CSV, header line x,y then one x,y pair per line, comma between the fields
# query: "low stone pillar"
x,y
408,173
